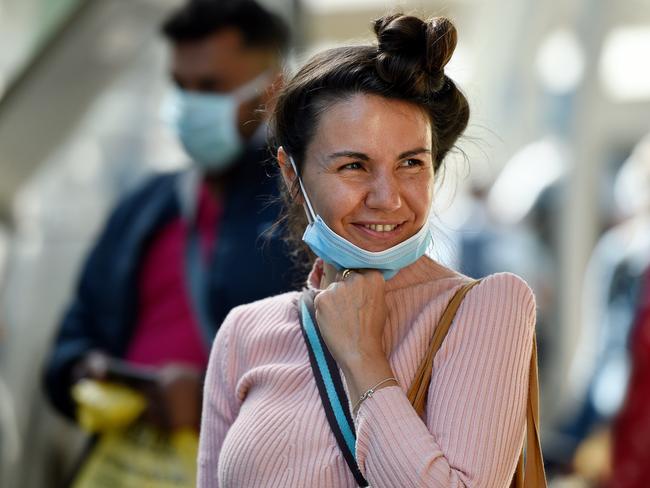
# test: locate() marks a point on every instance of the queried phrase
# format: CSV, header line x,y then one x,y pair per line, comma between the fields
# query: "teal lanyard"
x,y
330,386
197,278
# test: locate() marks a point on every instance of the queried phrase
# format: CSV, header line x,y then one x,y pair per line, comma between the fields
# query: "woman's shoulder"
x,y
506,286
426,271
276,309
503,298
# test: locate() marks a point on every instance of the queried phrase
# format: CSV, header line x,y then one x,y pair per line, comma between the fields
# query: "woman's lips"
x,y
383,235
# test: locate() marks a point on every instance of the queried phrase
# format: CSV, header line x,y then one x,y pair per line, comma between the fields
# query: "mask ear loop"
x,y
309,210
431,248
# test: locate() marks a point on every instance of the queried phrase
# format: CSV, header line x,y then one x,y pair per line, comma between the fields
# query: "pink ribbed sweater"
x,y
263,423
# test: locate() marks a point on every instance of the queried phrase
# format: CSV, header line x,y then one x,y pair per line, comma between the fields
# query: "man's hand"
x,y
94,365
179,388
173,392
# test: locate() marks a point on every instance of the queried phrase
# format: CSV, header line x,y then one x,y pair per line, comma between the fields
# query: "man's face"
x,y
221,63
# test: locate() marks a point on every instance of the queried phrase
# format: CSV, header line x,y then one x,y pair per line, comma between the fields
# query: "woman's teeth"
x,y
381,227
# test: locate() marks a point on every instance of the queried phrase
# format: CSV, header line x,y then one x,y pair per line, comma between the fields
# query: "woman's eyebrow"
x,y
414,152
349,154
365,157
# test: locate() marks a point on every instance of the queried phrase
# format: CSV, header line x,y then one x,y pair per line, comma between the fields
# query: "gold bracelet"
x,y
371,392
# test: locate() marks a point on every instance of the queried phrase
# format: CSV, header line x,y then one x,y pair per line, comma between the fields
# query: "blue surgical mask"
x,y
206,123
342,254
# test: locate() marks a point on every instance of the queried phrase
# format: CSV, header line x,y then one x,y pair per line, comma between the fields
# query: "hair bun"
x,y
414,52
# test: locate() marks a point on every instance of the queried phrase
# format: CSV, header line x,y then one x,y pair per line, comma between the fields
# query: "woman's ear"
x,y
289,174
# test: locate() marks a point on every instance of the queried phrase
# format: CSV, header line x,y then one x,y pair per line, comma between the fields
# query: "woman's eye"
x,y
410,163
355,165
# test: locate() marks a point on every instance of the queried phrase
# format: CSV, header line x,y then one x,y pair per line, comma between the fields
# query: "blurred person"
x,y
631,427
613,351
612,290
614,454
361,134
184,248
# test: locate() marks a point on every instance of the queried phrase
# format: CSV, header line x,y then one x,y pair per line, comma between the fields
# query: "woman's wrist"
x,y
359,360
364,375
371,391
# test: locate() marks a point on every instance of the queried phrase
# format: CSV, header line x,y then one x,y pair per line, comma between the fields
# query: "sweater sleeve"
x,y
476,407
220,405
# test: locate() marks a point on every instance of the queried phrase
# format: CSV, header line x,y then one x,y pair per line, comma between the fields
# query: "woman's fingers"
x,y
351,314
345,274
352,274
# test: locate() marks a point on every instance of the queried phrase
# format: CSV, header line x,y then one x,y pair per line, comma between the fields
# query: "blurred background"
x,y
551,181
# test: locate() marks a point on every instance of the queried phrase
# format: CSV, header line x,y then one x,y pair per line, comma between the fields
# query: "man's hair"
x,y
198,19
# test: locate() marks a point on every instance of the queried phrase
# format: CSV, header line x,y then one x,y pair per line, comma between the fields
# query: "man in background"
x,y
184,248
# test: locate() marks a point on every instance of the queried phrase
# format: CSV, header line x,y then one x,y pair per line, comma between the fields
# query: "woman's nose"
x,y
384,194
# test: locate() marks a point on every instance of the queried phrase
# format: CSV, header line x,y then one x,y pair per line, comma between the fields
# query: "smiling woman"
x,y
369,170
360,134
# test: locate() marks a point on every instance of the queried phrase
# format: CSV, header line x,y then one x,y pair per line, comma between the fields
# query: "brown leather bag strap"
x,y
529,474
417,393
534,471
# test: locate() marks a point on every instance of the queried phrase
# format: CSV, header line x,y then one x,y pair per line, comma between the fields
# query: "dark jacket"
x,y
245,267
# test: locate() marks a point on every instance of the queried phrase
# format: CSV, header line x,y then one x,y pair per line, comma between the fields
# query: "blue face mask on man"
x,y
207,125
342,254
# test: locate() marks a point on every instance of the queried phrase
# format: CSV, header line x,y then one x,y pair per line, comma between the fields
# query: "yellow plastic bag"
x,y
141,457
103,406
128,453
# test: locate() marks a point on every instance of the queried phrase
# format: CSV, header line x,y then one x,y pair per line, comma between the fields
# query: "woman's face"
x,y
369,170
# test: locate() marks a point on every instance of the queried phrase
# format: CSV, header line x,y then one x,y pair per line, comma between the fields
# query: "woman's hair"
x,y
407,63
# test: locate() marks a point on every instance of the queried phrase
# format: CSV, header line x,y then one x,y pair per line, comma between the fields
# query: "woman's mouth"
x,y
381,227
383,231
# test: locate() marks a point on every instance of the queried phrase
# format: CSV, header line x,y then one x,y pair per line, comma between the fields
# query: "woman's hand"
x,y
351,316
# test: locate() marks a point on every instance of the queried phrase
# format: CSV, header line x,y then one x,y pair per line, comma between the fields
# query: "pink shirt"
x,y
263,424
166,330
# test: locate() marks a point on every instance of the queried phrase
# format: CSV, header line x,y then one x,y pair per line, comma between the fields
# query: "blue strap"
x,y
197,278
330,386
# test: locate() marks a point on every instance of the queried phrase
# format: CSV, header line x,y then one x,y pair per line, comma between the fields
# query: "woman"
x,y
361,133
